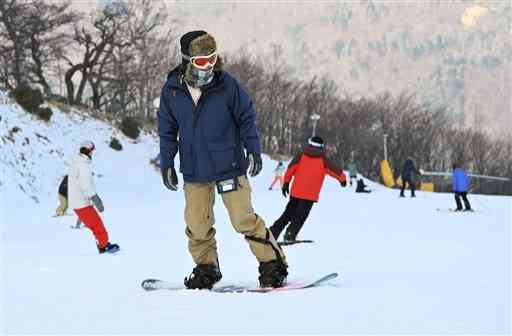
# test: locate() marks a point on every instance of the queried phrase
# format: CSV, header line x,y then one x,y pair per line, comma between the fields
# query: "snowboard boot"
x,y
203,276
272,274
109,248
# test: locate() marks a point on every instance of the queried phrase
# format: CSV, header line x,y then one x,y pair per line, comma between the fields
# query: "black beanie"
x,y
186,39
316,141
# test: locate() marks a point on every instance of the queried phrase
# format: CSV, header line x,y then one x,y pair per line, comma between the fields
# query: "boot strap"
x,y
266,241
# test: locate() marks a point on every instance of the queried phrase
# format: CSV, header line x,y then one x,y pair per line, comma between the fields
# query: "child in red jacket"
x,y
308,170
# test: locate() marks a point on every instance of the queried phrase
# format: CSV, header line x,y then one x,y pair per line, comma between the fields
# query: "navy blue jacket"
x,y
213,134
460,180
408,169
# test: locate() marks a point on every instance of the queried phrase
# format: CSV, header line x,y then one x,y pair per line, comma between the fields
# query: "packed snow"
x,y
403,266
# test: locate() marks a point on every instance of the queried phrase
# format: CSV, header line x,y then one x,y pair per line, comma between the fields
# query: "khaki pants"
x,y
63,206
199,217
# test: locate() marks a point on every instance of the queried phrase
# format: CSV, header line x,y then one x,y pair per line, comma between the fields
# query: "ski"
x,y
293,242
156,284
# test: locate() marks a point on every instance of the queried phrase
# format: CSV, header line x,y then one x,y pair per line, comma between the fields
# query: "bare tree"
x,y
33,38
14,41
130,75
97,45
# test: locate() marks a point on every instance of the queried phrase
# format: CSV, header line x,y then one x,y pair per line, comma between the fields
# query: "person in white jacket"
x,y
82,196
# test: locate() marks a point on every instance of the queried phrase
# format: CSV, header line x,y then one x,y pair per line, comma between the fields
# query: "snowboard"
x,y
453,210
155,284
293,242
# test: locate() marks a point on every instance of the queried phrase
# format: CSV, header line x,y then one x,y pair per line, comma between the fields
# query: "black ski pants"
x,y
296,212
464,196
411,185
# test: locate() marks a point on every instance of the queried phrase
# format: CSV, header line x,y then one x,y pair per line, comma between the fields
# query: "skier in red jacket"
x,y
308,170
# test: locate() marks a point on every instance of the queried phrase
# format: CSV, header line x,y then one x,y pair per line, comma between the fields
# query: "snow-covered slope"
x,y
37,153
404,267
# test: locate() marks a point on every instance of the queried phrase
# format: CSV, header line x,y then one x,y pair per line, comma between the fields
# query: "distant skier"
x,y
82,197
218,145
461,182
361,187
278,175
408,172
308,170
63,198
352,171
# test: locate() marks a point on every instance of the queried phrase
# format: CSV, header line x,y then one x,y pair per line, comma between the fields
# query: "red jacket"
x,y
308,170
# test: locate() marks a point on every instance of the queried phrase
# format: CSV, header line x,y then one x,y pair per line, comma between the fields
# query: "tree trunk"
x,y
70,87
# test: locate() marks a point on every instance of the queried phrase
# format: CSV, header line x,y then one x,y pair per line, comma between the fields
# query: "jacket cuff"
x,y
253,147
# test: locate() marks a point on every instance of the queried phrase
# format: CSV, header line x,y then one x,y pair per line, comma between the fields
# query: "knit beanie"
x,y
317,142
197,42
86,147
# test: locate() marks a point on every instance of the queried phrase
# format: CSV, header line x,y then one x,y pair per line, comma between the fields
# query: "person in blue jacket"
x,y
461,182
208,118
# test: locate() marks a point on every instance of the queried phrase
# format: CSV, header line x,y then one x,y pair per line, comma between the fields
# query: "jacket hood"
x,y
314,151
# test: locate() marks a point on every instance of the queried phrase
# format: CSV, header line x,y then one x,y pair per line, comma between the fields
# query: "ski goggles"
x,y
202,62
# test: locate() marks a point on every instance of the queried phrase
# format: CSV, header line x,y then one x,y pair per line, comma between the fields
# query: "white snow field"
x,y
403,266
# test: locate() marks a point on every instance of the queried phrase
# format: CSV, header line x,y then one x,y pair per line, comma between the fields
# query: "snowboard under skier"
x,y
218,144
82,196
308,171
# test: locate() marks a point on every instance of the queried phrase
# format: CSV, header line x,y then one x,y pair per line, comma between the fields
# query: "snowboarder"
x,y
82,196
278,175
407,173
218,144
352,171
461,182
308,170
361,187
63,198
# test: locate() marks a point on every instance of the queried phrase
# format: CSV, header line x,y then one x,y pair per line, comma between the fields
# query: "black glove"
x,y
343,183
170,178
98,203
255,164
286,189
